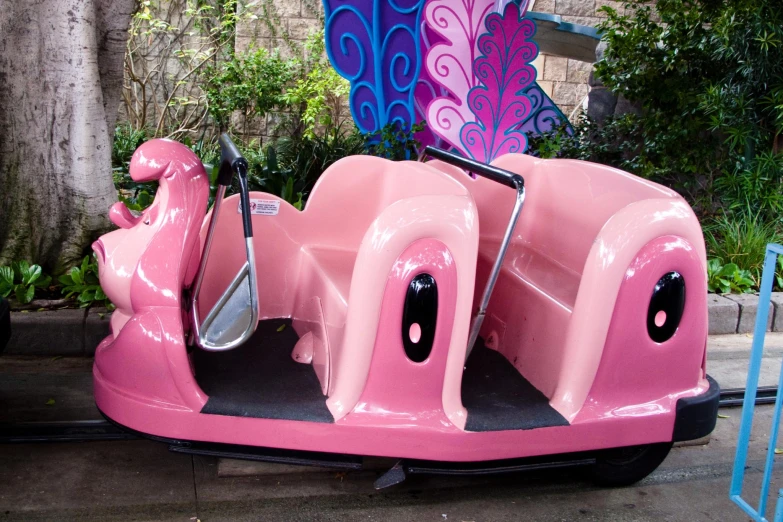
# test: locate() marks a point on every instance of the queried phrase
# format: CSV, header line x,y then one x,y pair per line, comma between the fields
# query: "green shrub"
x,y
319,93
137,196
22,280
126,141
708,78
396,142
741,239
82,282
266,174
252,83
309,157
728,278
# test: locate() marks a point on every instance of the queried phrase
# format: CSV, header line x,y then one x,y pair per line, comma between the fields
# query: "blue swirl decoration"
x,y
546,116
375,45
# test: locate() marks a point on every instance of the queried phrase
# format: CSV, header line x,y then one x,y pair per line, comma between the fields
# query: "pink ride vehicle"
x,y
401,314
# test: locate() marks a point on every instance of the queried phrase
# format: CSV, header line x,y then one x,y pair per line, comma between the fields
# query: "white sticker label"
x,y
262,207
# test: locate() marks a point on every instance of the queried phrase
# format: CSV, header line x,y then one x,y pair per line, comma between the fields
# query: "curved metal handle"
x,y
497,175
221,328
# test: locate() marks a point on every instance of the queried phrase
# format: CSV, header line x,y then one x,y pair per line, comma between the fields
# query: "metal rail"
x,y
66,431
733,397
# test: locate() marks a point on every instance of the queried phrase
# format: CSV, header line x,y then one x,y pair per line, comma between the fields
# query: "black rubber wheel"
x,y
625,466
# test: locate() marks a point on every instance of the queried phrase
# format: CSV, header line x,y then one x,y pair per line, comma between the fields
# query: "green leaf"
x,y
76,275
24,294
20,268
99,295
43,282
729,270
6,275
212,171
87,296
721,416
144,200
281,328
66,280
32,273
50,402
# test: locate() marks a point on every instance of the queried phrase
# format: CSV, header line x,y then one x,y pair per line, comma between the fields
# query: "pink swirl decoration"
x,y
456,27
499,104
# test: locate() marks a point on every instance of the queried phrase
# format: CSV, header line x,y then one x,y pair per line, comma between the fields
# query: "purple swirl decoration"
x,y
499,104
375,45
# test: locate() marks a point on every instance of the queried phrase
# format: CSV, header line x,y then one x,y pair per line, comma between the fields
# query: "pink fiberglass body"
x,y
568,312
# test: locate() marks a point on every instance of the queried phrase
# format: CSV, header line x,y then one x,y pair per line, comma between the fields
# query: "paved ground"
x,y
141,480
727,359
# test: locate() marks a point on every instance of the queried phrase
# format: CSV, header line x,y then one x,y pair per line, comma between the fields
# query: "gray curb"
x,y
57,332
78,332
736,313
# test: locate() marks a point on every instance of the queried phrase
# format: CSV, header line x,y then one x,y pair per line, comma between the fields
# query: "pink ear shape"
x,y
122,217
152,158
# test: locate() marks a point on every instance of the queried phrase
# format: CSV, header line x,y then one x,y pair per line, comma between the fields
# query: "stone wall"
x,y
564,80
290,20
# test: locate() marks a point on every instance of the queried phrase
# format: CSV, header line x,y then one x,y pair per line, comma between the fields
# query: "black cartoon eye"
x,y
419,317
666,306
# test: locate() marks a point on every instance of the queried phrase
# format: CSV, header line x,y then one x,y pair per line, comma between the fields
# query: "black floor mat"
x,y
497,397
260,379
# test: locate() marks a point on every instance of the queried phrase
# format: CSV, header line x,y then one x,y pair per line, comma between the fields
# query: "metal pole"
x,y
202,265
761,326
478,320
751,388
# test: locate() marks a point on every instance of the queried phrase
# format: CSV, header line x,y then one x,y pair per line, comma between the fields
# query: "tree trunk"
x,y
61,66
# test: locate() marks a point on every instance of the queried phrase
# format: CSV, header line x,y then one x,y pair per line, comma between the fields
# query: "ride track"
x,y
103,430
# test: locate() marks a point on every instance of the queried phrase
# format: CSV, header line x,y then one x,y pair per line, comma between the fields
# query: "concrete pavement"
x,y
141,480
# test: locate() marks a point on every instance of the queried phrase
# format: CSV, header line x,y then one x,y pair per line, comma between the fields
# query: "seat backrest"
x,y
354,191
345,201
567,203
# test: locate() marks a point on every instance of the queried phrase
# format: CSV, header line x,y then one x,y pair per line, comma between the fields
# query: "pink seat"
x,y
308,261
335,267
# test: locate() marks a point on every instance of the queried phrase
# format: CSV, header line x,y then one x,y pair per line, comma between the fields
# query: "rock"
x,y
625,107
601,104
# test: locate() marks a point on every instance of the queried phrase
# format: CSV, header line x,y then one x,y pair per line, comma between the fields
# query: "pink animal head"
x,y
150,259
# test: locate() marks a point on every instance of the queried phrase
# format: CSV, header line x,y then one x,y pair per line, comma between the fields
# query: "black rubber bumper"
x,y
696,416
5,323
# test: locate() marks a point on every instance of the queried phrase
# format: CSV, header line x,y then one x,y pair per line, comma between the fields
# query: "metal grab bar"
x,y
504,177
221,328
